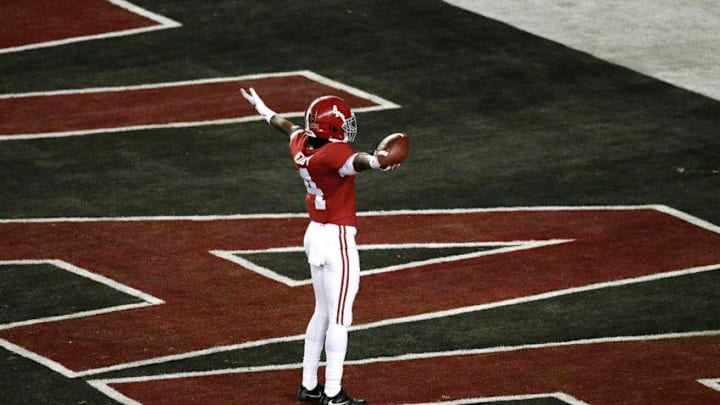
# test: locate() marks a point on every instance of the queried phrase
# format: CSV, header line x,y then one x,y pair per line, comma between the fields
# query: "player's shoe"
x,y
342,398
305,395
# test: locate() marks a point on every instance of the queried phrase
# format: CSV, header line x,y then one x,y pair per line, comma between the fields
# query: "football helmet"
x,y
329,117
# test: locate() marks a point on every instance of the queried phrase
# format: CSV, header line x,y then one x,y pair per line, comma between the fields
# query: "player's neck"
x,y
317,143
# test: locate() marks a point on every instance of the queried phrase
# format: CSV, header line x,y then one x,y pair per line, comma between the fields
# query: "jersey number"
x,y
312,188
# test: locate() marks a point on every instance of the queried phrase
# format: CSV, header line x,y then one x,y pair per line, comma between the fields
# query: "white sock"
x,y
335,349
311,362
315,336
334,372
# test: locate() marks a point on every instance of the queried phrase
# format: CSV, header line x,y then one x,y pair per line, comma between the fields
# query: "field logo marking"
x,y
712,383
113,387
187,250
147,299
560,396
214,101
235,256
161,23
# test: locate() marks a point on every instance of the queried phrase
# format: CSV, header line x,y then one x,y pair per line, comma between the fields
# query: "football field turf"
x,y
552,237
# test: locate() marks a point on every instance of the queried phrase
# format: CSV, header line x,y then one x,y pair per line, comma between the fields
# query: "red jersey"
x,y
330,196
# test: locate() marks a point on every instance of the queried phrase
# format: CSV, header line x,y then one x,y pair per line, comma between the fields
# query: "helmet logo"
x,y
337,113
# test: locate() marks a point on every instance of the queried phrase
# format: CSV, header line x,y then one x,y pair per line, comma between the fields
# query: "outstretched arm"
x,y
283,124
272,118
362,161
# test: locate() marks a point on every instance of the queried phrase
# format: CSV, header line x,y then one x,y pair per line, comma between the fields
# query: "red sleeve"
x,y
297,142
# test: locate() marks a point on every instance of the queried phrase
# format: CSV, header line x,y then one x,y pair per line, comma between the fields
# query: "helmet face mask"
x,y
350,128
330,118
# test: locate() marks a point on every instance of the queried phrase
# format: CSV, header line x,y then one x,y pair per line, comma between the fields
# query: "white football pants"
x,y
335,265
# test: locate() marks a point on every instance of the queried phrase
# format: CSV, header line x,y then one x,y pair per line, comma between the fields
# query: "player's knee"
x,y
321,315
336,338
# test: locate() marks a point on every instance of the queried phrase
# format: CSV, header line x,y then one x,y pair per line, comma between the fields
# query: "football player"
x,y
327,165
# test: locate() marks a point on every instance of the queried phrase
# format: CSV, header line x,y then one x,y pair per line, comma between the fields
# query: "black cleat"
x,y
342,398
305,395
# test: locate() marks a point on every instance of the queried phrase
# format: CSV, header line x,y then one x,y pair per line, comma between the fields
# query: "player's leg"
x,y
317,326
315,333
341,282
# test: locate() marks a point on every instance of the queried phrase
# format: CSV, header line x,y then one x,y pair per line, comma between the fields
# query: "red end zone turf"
x,y
196,102
170,260
663,371
34,22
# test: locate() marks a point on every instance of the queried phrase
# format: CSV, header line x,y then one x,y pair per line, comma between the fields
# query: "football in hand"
x,y
393,149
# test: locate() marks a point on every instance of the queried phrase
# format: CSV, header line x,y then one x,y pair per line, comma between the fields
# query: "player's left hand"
x,y
381,155
254,99
391,167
